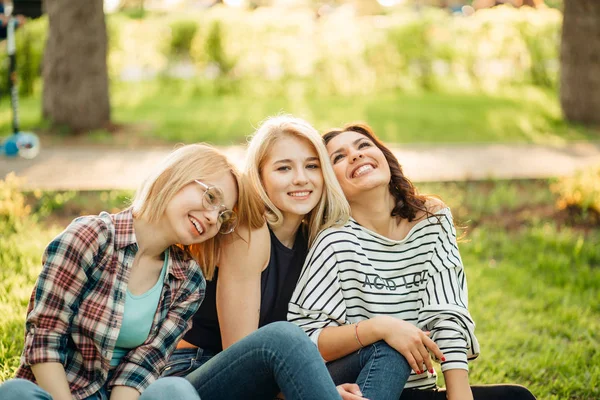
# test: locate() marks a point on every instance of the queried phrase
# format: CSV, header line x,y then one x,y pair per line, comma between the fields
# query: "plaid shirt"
x,y
76,308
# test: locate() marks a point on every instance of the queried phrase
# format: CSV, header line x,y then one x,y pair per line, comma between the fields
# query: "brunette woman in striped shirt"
x,y
391,277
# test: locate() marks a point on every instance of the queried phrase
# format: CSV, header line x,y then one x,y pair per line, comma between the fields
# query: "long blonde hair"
x,y
178,169
332,209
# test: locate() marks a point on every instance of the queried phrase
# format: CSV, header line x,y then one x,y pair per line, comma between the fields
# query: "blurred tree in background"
x,y
580,62
74,68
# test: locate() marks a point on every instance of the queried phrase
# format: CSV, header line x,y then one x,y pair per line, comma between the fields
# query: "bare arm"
x,y
52,378
338,341
238,287
457,384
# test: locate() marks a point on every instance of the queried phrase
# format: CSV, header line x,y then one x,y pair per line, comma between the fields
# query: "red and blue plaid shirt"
x,y
76,308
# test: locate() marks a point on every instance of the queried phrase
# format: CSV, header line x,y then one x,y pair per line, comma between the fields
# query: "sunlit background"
x,y
455,78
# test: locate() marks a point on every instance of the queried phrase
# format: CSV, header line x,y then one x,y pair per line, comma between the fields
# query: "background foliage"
x,y
339,53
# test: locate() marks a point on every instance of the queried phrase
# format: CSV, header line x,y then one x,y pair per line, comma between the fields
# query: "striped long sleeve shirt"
x,y
353,274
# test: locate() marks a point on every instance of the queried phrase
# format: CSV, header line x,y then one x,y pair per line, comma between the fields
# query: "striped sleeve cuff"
x,y
455,353
311,327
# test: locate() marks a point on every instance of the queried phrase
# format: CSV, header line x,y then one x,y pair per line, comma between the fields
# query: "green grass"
x,y
534,297
533,282
188,111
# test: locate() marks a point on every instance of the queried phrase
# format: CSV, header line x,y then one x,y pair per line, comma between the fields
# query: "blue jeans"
x,y
379,370
168,388
276,356
183,361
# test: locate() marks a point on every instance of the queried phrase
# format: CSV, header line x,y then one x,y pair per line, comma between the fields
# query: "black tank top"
x,y
278,281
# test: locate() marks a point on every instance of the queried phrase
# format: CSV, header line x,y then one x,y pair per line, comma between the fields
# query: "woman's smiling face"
x,y
188,216
358,163
292,176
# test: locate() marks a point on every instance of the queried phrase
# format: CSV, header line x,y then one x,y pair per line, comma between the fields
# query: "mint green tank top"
x,y
138,317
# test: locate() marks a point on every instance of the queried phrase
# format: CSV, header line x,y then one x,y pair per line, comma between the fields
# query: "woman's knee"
x,y
383,351
285,338
285,332
172,388
18,389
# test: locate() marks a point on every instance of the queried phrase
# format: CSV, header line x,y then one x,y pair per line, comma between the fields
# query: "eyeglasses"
x,y
212,199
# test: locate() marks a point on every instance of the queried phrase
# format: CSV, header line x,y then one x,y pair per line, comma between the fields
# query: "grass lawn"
x,y
533,273
185,111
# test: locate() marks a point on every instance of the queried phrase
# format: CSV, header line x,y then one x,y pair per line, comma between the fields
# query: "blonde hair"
x,y
178,169
332,209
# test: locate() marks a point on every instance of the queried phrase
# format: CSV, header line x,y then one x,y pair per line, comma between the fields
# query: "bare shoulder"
x,y
434,204
247,247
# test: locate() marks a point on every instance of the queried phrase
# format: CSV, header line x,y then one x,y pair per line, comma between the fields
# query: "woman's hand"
x,y
350,391
409,341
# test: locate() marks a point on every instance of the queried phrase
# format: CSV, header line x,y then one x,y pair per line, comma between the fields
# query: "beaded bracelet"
x,y
356,334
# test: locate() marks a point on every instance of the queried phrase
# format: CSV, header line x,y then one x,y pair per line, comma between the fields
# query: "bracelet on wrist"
x,y
356,335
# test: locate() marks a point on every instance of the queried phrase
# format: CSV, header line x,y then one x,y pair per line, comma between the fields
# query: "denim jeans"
x,y
183,361
276,356
379,370
168,388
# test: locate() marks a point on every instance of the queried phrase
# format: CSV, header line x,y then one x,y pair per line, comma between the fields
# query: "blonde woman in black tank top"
x,y
287,168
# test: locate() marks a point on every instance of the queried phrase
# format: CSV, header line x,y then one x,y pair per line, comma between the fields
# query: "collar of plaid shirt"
x,y
125,236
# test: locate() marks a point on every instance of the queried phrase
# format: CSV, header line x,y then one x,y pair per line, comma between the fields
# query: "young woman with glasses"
x,y
117,291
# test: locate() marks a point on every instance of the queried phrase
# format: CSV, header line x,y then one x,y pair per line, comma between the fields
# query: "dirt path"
x,y
90,168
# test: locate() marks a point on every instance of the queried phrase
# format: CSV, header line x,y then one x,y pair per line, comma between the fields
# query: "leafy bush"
x,y
421,43
14,212
30,41
338,53
182,34
580,193
215,52
543,54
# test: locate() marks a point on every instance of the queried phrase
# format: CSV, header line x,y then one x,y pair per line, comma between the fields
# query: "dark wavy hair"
x,y
408,200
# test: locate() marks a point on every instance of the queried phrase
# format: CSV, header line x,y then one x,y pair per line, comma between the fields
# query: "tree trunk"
x,y
74,70
580,62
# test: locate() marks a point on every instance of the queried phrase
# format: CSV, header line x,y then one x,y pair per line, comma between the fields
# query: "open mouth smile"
x,y
197,225
301,194
362,170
